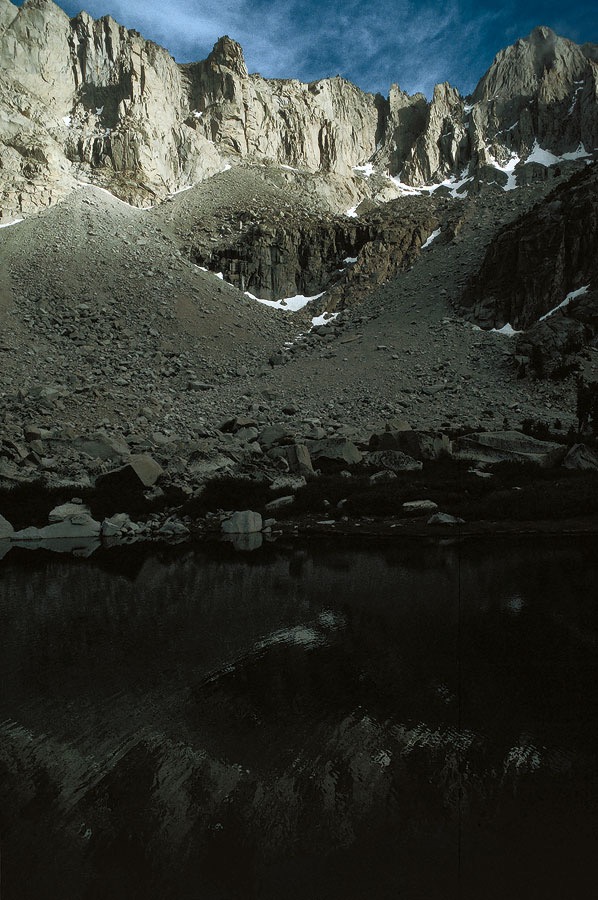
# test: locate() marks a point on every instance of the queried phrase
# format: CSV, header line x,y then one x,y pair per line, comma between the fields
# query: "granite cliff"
x,y
90,100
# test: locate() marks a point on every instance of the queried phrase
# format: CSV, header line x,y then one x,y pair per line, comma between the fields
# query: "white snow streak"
x,y
367,169
572,296
289,304
431,239
8,224
507,330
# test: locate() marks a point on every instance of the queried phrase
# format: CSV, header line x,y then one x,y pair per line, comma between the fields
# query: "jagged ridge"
x,y
86,99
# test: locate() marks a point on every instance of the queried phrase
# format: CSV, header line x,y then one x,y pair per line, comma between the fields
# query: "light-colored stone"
x,y
393,460
419,507
299,460
287,482
245,522
581,457
504,446
280,503
383,477
141,471
67,511
6,529
441,518
335,450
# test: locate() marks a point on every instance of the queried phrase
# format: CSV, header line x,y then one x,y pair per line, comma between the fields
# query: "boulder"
x,y
173,528
508,446
335,450
66,511
392,460
299,460
581,457
6,529
280,503
116,525
419,507
274,434
82,526
76,527
441,518
383,477
417,444
140,472
102,446
245,522
287,483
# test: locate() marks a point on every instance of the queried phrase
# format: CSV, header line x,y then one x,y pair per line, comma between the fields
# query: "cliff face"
x,y
540,274
83,99
533,264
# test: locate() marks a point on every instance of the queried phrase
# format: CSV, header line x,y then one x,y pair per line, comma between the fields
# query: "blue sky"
x,y
373,44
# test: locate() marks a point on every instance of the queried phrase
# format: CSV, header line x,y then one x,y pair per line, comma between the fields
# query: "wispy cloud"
x,y
416,44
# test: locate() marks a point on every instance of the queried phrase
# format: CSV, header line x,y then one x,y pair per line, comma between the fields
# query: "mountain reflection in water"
x,y
331,721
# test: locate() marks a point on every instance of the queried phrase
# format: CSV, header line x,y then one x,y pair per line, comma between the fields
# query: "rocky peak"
x,y
542,60
228,53
90,99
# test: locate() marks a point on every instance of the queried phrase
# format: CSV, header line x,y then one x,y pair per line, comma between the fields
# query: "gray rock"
x,y
280,503
393,460
272,435
299,460
384,477
245,522
6,529
420,445
174,529
441,518
140,472
419,507
85,527
581,457
503,446
102,446
335,450
287,482
67,511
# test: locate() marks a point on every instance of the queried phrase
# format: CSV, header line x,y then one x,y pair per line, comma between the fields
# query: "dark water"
x,y
328,721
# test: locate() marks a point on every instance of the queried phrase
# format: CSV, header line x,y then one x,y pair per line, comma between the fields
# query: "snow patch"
x,y
114,197
12,222
367,169
431,239
406,189
289,168
68,121
350,260
507,329
352,213
289,304
580,153
324,319
508,168
454,184
181,190
571,296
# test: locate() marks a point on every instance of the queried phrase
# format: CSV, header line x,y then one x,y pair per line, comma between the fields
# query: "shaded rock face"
x,y
84,99
533,264
287,252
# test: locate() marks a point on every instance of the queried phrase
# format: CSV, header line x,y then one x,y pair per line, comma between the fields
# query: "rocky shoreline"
x,y
398,481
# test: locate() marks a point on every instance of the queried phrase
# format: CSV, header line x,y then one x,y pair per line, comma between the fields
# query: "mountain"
x,y
90,100
186,246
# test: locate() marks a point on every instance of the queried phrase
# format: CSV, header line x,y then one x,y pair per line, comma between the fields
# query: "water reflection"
x,y
306,722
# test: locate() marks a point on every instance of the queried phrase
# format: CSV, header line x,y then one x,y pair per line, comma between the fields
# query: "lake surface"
x,y
311,721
